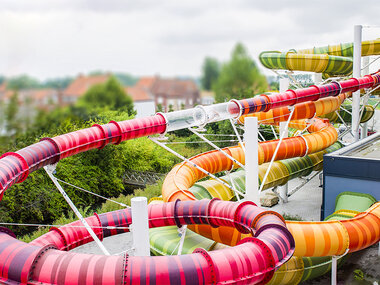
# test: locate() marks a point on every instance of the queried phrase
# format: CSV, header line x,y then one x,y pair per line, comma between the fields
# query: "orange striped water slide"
x,y
311,238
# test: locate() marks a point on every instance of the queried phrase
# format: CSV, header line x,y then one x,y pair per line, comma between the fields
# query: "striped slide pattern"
x,y
252,261
299,269
345,114
280,173
333,60
15,167
184,175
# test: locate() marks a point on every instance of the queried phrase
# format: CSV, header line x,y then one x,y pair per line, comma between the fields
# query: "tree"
x,y
22,82
211,70
57,83
126,79
13,125
159,108
239,78
109,95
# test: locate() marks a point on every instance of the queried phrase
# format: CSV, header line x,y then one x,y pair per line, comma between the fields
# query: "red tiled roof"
x,y
80,85
8,94
39,94
138,93
147,82
175,87
3,87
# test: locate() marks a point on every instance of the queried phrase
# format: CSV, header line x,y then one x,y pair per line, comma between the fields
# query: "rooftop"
x,y
138,93
80,85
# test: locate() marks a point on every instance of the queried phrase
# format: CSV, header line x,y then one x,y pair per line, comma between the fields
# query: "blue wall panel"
x,y
334,185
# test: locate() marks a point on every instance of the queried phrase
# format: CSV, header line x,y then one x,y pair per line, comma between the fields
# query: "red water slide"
x,y
253,261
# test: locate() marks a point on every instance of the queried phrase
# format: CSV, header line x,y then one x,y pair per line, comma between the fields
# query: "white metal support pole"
x,y
364,129
216,147
49,170
193,164
237,135
334,266
284,84
275,152
140,226
283,189
182,232
251,160
318,78
356,74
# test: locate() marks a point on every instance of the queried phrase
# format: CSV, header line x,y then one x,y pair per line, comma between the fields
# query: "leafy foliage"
x,y
126,79
100,171
57,83
110,95
13,124
22,82
210,72
239,78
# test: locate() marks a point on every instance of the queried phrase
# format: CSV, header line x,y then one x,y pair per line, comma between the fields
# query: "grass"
x,y
289,217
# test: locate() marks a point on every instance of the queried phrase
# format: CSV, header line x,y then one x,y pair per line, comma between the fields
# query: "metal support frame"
x,y
334,267
344,109
304,182
283,189
49,170
276,150
182,232
216,147
237,135
155,140
340,118
233,186
367,64
274,132
356,74
295,83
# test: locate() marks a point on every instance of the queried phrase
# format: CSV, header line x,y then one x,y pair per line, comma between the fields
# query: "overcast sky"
x,y
51,38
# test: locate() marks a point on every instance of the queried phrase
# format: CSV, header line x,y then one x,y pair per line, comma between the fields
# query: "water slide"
x,y
280,174
252,259
330,238
332,60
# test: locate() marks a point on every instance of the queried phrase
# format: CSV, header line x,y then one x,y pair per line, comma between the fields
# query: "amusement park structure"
x,y
226,242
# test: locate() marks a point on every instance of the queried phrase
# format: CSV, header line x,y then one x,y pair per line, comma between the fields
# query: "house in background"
x,y
171,94
207,97
30,101
142,100
80,85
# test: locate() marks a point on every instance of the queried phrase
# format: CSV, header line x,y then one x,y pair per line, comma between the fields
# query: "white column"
x,y
318,78
284,84
251,160
356,74
283,189
334,266
364,129
140,226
